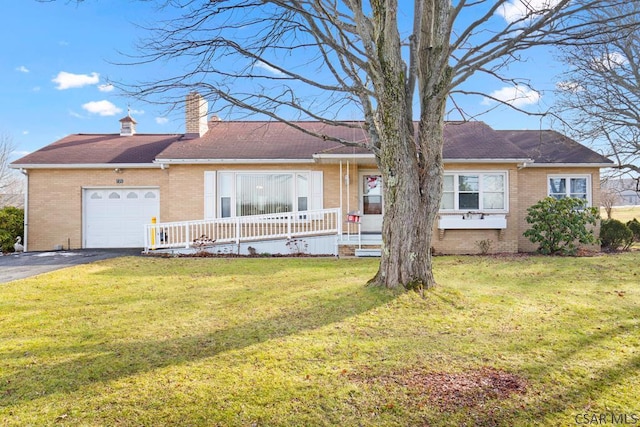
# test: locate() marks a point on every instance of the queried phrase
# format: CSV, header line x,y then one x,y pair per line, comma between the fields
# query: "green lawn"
x,y
624,214
513,341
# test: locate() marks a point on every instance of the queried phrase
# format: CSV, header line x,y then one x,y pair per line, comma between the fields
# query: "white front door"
x,y
115,217
371,201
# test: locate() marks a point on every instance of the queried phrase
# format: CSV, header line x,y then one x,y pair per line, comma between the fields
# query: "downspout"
x,y
341,201
26,210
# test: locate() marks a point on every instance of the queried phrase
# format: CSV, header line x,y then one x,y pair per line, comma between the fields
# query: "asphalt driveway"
x,y
20,266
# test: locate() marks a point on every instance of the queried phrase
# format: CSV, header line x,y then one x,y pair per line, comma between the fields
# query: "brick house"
x,y
95,191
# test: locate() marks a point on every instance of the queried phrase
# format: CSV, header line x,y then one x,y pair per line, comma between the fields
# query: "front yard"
x,y
513,341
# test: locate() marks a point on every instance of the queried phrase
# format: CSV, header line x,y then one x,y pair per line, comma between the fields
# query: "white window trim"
x,y
456,173
568,176
213,191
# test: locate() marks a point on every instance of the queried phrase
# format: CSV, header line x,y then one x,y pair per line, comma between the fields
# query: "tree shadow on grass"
x,y
219,266
579,396
101,363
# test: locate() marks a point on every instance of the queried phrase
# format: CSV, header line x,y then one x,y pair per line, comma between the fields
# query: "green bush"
x,y
615,234
559,225
634,226
11,226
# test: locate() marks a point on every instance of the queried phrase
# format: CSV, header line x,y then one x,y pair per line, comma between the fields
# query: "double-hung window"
x,y
576,186
467,191
258,193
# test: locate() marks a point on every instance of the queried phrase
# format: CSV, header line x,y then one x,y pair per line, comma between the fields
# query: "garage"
x,y
114,217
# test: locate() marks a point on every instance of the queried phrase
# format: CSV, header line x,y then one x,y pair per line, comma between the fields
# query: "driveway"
x,y
20,266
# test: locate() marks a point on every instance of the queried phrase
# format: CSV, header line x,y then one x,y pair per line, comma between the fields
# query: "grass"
x,y
514,341
623,213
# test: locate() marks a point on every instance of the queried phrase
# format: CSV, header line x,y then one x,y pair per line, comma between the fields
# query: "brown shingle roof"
x,y
100,149
274,140
254,141
476,140
263,140
548,146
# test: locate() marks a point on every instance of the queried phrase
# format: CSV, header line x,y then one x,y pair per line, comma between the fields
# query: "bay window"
x,y
469,191
258,193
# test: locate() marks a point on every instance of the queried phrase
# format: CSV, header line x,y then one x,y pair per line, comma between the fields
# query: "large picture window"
x,y
248,193
569,186
466,191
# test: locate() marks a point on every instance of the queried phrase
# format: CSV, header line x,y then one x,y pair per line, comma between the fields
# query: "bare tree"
x,y
608,198
10,183
312,59
600,95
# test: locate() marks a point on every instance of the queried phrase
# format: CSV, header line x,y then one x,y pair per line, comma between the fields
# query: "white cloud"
x,y
573,87
25,132
36,89
22,69
162,120
515,10
66,80
268,68
140,112
76,115
106,88
102,108
610,61
517,96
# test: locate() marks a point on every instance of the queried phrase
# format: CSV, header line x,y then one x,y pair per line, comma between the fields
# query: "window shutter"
x,y
209,194
316,190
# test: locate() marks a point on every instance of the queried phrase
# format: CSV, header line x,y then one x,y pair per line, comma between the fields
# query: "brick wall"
x,y
55,199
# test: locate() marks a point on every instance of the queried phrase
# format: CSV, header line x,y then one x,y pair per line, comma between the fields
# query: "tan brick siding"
x,y
55,199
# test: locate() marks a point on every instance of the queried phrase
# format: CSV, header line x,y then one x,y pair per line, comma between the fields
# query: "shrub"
x,y
634,226
11,226
558,225
615,234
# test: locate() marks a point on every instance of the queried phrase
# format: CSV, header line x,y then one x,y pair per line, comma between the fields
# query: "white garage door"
x,y
114,217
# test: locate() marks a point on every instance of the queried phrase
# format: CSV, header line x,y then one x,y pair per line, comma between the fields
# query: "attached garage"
x,y
114,217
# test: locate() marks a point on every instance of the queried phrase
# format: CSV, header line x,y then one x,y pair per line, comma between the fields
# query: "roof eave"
x,y
570,165
229,161
84,166
491,161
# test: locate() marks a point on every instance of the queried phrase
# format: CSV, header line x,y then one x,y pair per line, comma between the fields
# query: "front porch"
x,y
318,232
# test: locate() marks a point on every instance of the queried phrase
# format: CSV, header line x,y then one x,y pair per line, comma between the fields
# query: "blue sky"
x,y
58,58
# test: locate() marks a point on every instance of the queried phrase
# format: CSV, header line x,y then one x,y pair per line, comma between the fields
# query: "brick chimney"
x,y
196,109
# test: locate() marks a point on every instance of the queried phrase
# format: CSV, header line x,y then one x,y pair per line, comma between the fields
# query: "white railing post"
x,y
258,227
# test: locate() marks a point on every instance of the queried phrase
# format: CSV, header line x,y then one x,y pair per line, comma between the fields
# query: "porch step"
x,y
368,252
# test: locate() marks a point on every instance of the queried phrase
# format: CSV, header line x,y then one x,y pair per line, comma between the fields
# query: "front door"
x,y
371,201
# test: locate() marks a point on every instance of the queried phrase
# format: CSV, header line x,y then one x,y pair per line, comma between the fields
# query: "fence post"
x,y
153,232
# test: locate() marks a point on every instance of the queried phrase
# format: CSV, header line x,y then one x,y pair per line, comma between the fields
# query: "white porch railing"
x,y
286,225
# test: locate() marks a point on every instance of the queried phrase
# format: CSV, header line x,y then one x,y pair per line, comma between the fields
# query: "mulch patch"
x,y
450,390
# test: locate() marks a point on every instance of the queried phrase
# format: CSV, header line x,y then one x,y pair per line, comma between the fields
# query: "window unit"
x,y
241,193
474,191
577,186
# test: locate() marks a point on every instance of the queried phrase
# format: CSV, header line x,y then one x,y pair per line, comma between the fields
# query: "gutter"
x,y
85,166
570,165
25,240
161,162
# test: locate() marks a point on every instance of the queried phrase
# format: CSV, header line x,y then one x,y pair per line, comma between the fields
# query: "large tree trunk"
x,y
410,161
412,186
